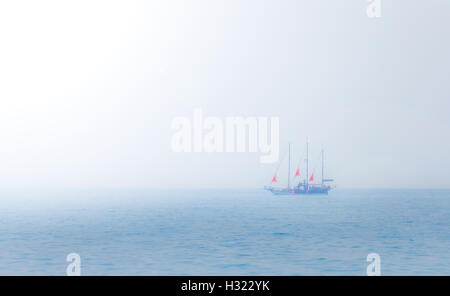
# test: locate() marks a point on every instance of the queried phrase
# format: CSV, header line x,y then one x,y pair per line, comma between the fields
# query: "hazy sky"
x,y
88,89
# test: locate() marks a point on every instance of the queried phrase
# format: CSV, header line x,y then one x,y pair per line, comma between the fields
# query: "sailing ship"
x,y
305,186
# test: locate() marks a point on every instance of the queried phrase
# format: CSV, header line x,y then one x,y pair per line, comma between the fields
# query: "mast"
x,y
322,166
289,167
307,175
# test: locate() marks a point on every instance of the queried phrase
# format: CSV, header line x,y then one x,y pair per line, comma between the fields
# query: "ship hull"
x,y
299,191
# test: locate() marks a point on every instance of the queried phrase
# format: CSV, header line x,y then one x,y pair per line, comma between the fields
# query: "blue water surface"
x,y
224,232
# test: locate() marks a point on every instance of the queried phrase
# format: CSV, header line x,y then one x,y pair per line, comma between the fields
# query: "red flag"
x,y
312,177
297,173
274,179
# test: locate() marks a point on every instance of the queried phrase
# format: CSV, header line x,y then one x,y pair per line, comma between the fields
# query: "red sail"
x,y
312,177
297,173
274,179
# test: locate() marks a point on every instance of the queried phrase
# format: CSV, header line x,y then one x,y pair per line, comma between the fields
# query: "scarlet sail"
x,y
274,179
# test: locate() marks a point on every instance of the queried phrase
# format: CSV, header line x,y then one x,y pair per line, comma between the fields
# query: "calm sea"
x,y
225,232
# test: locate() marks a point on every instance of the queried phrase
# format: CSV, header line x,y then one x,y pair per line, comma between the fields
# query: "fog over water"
x,y
89,90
